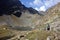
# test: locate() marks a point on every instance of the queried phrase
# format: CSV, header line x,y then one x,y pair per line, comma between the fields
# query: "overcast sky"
x,y
40,5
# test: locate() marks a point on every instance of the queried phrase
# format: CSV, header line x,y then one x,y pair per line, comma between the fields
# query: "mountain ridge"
x,y
10,6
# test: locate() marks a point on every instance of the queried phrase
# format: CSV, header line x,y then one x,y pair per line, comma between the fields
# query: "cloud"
x,y
43,5
37,9
42,8
49,3
36,2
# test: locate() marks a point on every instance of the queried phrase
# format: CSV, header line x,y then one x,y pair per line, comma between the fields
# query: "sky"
x,y
40,5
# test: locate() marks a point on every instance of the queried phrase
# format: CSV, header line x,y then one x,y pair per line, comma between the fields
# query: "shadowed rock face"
x,y
9,7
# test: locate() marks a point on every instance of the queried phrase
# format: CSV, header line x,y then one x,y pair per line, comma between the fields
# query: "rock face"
x,y
7,7
15,7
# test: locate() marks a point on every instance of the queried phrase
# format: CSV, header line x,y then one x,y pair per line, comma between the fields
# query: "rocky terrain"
x,y
22,23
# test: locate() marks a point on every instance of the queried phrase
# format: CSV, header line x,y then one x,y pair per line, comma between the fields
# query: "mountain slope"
x,y
14,14
30,18
52,18
54,13
9,7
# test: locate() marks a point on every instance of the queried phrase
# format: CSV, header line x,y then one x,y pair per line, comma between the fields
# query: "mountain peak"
x,y
9,7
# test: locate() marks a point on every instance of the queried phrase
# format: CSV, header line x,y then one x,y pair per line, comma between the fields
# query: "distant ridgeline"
x,y
8,7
